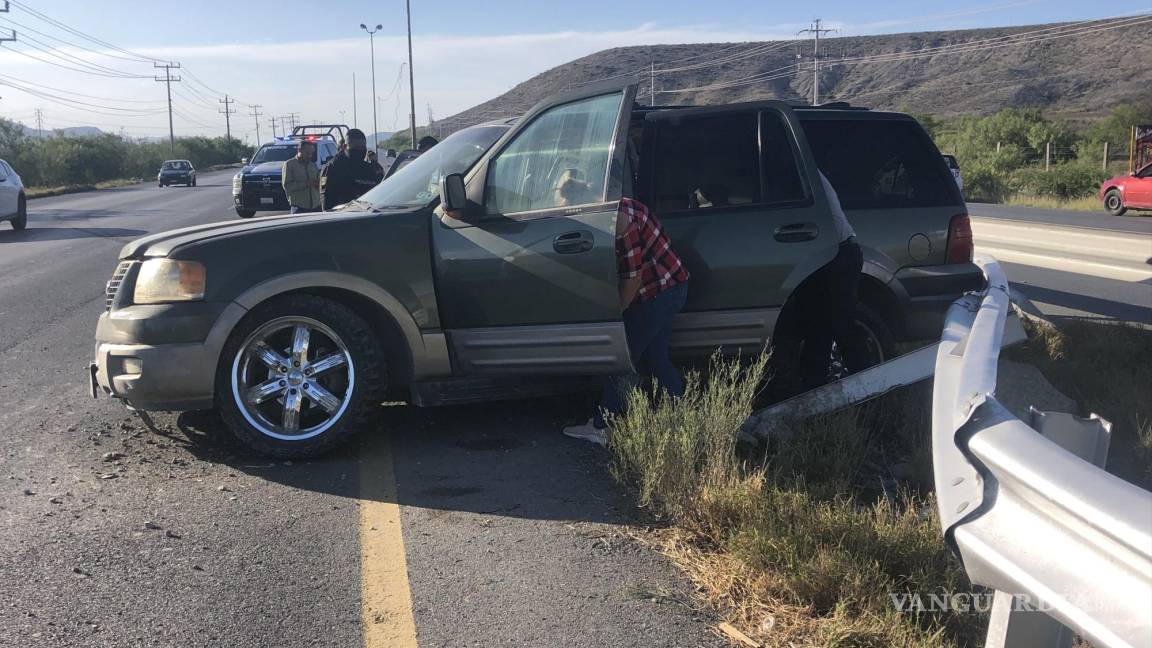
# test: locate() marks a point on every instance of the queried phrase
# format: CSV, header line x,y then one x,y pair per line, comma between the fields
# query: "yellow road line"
x,y
386,607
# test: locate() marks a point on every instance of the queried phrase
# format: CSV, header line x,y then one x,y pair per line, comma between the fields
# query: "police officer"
x,y
346,178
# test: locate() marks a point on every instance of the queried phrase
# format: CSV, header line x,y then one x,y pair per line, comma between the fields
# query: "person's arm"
x,y
629,288
288,177
630,253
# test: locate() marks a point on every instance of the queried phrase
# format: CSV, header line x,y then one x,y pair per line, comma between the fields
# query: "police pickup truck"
x,y
257,186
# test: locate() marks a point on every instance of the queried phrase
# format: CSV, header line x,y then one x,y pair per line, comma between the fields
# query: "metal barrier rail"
x,y
1029,509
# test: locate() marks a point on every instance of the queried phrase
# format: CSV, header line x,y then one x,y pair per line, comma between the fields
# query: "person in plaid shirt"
x,y
653,288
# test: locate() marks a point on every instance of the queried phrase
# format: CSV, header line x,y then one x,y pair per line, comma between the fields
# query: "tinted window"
x,y
559,160
876,164
781,173
705,162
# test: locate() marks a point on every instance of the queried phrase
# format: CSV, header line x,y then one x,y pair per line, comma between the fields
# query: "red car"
x,y
1122,193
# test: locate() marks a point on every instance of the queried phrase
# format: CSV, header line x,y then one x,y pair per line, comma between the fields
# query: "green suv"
x,y
296,328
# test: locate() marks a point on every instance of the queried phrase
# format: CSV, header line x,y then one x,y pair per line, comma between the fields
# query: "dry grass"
x,y
1107,369
1088,204
795,549
46,192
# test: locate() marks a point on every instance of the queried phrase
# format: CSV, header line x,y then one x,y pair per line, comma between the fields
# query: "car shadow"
x,y
66,233
504,458
1105,308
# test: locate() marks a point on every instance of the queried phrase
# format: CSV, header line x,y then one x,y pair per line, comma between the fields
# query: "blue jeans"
x,y
303,210
648,327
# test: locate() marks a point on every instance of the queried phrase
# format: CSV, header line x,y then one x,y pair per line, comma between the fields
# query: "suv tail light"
x,y
959,248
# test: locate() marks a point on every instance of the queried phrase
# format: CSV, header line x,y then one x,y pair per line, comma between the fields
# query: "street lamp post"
x,y
411,77
372,47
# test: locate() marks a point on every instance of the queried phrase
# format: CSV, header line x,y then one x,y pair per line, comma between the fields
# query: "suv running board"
x,y
457,391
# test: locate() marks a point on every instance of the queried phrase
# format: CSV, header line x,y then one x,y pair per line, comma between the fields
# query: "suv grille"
x,y
113,285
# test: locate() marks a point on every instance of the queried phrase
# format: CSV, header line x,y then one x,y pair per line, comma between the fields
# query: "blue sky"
x,y
296,56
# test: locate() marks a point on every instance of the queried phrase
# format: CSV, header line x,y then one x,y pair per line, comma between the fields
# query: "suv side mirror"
x,y
243,160
453,194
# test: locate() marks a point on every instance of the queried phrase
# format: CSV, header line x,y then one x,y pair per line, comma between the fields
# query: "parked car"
x,y
954,167
13,202
256,187
296,329
176,172
1133,191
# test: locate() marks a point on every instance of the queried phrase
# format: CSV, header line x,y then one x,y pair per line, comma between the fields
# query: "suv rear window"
x,y
878,164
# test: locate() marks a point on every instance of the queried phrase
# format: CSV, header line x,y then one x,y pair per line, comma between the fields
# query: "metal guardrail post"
x,y
1028,516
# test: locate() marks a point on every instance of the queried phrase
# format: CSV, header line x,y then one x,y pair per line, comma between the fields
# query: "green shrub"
x,y
983,183
1063,181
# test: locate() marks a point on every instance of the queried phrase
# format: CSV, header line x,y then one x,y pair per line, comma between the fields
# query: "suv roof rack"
x,y
833,105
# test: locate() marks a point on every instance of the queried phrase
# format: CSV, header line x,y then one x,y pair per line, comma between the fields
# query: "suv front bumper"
x,y
164,356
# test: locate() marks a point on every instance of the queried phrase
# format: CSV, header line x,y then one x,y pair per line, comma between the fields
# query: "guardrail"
x,y
1029,510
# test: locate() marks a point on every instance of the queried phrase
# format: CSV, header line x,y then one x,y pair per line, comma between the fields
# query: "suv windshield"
x,y
274,153
418,183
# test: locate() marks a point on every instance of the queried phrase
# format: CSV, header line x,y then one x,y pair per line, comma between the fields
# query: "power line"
x,y
51,50
256,115
78,94
228,112
76,32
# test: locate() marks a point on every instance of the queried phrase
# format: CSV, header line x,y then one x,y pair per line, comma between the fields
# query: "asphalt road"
x,y
1068,289
466,526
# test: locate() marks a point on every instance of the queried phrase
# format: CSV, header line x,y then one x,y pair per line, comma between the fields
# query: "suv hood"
x,y
163,243
269,168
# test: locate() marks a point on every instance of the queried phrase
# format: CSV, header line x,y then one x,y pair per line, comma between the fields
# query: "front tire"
x,y
245,213
298,376
21,219
1114,203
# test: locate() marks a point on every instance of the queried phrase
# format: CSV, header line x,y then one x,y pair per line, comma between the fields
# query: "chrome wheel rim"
x,y
293,378
838,370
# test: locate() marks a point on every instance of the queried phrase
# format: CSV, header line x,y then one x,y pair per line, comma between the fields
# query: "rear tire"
x,y
245,213
21,219
1114,203
298,413
873,344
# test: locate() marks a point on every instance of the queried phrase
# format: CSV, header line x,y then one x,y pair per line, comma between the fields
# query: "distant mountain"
x,y
71,131
381,137
1078,76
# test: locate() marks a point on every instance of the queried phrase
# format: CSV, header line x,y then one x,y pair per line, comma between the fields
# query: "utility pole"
x,y
355,114
272,120
815,30
372,49
411,76
1104,166
40,129
228,112
5,39
168,79
1048,155
256,115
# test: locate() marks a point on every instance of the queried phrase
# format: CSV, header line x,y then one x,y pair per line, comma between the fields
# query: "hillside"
x,y
1077,76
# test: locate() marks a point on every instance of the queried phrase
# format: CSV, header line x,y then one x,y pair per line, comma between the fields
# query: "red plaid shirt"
x,y
645,251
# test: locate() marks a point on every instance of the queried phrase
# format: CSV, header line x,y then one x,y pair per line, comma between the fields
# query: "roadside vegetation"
x,y
808,544
65,163
1002,155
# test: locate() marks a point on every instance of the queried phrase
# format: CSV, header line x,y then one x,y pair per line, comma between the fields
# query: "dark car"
x,y
176,172
256,187
296,330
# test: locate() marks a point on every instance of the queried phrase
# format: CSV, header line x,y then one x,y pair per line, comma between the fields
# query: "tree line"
x,y
61,160
1022,151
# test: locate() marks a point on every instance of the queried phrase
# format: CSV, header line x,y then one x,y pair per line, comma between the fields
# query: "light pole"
x,y
372,47
411,78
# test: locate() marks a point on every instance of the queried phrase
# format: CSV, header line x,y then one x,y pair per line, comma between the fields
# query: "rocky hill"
x,y
1076,73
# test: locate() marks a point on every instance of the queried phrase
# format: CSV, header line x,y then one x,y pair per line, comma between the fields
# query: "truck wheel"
x,y
1114,203
21,220
872,343
245,213
299,375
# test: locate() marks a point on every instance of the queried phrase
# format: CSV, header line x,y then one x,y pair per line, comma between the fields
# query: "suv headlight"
x,y
167,280
236,183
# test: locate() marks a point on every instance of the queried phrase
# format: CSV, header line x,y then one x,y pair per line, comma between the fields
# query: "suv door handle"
x,y
796,232
573,242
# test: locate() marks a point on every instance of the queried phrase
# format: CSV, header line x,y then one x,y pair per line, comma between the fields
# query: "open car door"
x,y
526,283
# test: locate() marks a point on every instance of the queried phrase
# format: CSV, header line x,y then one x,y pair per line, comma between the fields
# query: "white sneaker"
x,y
588,432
